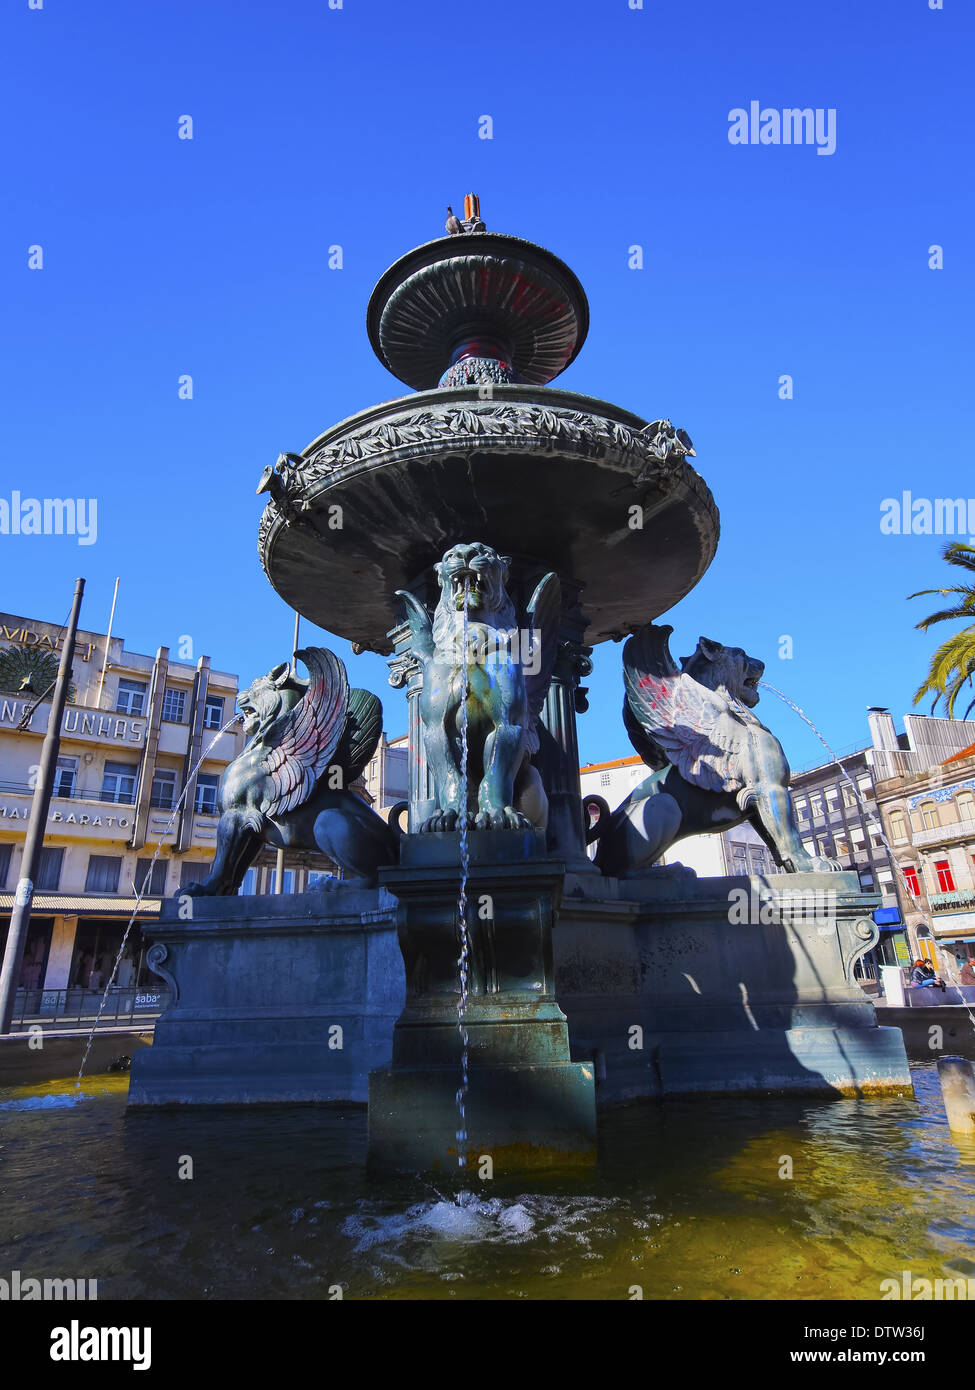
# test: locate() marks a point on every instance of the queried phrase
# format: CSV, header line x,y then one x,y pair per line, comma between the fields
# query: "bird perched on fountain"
x,y
454,225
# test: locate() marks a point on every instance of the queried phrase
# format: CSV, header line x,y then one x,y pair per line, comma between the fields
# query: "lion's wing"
x,y
680,716
308,736
544,610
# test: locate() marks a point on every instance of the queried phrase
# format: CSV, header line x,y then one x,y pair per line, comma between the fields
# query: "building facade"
x,y
138,731
925,784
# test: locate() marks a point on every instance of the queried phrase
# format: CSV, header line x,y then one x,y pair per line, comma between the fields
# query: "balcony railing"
x,y
80,1006
941,834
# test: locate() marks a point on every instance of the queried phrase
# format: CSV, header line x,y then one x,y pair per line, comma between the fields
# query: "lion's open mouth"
x,y
459,581
750,685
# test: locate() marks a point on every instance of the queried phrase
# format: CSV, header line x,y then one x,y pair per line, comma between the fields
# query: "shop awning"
x,y
87,905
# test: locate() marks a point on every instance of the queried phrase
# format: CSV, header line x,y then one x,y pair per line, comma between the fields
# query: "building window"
x,y
816,804
163,794
809,846
841,842
193,871
104,871
131,697
912,881
213,713
866,879
205,802
289,881
800,810
6,852
832,798
174,702
118,782
930,817
849,797
865,786
946,879
248,885
156,886
64,775
49,870
316,879
965,806
898,827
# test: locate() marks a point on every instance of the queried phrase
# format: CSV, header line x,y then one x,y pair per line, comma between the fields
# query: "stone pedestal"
x,y
282,998
675,985
527,1105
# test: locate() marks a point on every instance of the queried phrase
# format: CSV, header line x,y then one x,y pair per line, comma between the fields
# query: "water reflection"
x,y
690,1200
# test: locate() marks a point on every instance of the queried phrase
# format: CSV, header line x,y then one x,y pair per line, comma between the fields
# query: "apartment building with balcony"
x,y
925,785
132,734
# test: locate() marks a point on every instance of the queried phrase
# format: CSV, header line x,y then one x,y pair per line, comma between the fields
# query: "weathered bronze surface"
x,y
308,740
575,484
714,763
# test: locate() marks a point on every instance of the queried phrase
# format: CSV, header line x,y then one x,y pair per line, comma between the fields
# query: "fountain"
x,y
483,534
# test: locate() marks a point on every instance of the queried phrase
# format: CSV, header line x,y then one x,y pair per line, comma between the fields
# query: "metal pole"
x,y
108,643
279,859
20,916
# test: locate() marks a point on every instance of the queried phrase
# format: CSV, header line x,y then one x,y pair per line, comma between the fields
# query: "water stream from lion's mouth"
x,y
463,961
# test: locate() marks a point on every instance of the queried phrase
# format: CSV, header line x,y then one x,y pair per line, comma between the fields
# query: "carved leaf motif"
x,y
467,422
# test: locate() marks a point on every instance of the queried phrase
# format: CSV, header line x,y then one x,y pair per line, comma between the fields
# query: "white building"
x,y
137,732
728,852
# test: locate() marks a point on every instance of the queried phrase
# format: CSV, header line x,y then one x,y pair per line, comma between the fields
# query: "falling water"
x,y
140,891
868,811
463,960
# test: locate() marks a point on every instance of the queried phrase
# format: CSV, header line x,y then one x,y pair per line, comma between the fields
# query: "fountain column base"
x,y
527,1105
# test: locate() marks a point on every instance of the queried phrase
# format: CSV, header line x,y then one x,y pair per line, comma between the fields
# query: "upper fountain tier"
x,y
479,323
475,307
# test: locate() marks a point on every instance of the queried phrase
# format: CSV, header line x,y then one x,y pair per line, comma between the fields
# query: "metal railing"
x,y
125,1004
66,793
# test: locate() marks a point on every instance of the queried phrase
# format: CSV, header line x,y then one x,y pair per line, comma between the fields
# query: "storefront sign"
x,y
30,638
81,818
77,723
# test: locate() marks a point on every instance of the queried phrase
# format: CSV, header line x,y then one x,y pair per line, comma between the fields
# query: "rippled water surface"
x,y
687,1202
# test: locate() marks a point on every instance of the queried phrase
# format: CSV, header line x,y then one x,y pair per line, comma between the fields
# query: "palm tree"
x,y
953,664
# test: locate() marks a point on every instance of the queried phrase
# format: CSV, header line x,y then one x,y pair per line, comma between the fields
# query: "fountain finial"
x,y
476,306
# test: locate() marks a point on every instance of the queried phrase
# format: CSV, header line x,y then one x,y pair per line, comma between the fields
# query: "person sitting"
x,y
922,975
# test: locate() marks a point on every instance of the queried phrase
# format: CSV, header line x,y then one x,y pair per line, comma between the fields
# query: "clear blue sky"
x,y
356,126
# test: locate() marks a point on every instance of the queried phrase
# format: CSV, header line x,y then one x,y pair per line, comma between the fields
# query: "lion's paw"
x,y
506,819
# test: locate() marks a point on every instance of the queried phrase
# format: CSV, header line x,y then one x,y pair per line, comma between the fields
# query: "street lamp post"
x,y
20,916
